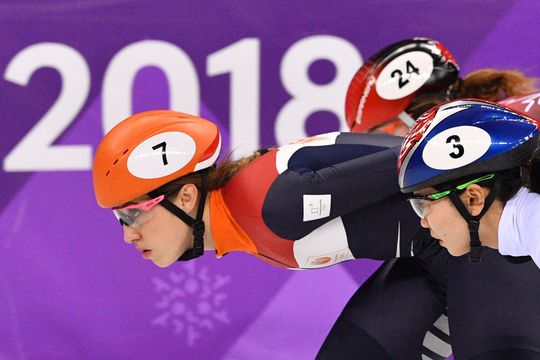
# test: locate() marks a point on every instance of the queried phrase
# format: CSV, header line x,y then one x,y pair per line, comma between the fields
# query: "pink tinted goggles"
x,y
134,215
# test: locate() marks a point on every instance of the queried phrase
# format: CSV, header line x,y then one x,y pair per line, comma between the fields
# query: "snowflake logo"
x,y
190,302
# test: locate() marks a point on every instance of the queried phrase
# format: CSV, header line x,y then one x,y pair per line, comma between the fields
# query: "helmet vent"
x,y
116,161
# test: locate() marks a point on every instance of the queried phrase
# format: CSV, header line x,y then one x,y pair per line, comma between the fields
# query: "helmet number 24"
x,y
458,148
410,69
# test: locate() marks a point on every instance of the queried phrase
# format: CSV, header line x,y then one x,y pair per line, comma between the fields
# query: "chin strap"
x,y
197,224
475,256
406,118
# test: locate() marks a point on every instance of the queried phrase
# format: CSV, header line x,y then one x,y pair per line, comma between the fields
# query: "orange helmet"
x,y
149,149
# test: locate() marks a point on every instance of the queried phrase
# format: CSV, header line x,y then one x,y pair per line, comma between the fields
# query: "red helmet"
x,y
391,79
150,149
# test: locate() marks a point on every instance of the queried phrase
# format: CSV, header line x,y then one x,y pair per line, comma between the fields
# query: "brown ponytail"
x,y
217,176
495,85
221,175
487,84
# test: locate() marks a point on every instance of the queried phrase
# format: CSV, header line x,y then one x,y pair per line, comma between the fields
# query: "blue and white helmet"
x,y
461,138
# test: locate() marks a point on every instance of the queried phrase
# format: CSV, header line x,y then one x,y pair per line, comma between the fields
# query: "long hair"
x,y
221,175
495,85
217,176
486,84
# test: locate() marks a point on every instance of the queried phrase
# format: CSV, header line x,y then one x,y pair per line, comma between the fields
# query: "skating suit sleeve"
x,y
319,201
518,228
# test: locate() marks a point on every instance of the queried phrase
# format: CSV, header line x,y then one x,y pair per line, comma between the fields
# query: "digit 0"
x,y
184,93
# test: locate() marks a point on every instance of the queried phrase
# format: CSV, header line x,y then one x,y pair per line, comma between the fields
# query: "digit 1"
x,y
242,61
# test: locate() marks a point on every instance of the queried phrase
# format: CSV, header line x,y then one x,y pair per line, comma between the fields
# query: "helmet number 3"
x,y
163,146
459,150
456,147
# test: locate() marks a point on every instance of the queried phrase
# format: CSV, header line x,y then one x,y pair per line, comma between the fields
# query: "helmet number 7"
x,y
162,145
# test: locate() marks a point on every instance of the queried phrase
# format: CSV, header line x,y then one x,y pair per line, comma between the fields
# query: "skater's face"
x,y
160,236
442,218
445,223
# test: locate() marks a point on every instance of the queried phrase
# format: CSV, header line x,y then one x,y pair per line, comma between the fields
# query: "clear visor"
x,y
134,215
420,206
